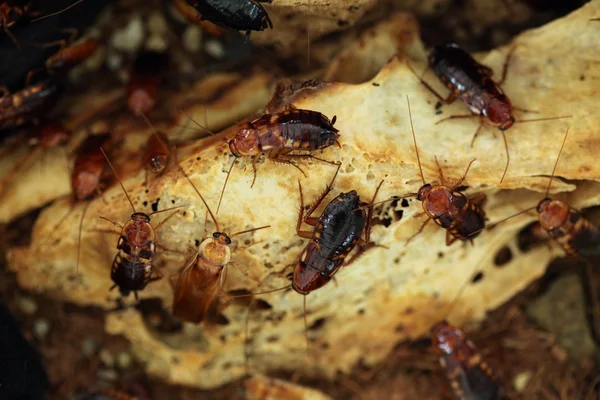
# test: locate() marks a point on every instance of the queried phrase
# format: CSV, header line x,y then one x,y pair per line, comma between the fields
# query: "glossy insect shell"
x,y
472,83
242,15
470,377
89,167
452,210
337,231
146,76
71,56
292,129
132,265
198,283
577,236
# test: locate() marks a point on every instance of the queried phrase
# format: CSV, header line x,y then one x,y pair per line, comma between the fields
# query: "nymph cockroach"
x,y
148,70
204,274
241,15
469,375
27,105
576,235
472,82
462,217
132,268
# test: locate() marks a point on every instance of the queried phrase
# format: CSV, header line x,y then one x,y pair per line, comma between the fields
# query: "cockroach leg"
x,y
477,132
418,231
461,116
464,176
448,100
440,170
118,225
505,66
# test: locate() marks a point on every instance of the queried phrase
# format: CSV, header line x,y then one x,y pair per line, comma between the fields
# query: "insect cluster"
x,y
338,228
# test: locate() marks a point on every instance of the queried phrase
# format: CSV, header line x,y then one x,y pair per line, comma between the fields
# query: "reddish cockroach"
x,y
26,105
132,268
335,234
470,377
157,157
280,135
147,74
241,15
48,135
576,235
472,82
462,217
189,13
203,276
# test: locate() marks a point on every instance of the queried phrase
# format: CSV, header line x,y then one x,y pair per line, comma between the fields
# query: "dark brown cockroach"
x,y
48,135
576,235
472,82
132,268
462,217
469,375
338,230
281,135
147,74
241,15
27,105
204,274
189,13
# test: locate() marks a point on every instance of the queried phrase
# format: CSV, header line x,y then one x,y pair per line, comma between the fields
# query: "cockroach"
x,y
132,268
66,58
336,232
204,274
469,375
157,157
241,15
472,82
189,13
576,235
48,135
280,135
10,13
462,217
147,74
26,105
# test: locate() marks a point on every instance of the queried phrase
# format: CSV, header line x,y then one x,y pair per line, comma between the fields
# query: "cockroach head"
x,y
543,204
552,213
499,112
423,191
222,236
445,338
140,217
245,143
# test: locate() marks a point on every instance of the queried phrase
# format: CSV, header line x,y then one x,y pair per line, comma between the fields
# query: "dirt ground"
x,y
78,354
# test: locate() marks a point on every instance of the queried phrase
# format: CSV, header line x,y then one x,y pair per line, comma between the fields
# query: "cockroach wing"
x,y
195,290
470,383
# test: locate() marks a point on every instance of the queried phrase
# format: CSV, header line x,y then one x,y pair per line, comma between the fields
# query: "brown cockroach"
x,y
147,74
204,274
335,234
27,105
576,235
132,268
472,82
462,217
280,135
48,135
470,376
66,58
